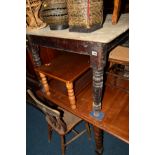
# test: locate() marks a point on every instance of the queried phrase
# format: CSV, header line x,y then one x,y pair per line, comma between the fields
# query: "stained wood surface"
x,y
79,84
115,106
66,67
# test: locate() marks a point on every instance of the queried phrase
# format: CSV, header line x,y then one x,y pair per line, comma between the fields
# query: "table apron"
x,y
69,45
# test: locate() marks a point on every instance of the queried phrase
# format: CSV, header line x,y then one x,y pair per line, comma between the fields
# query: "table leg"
x,y
71,95
98,136
97,90
37,62
98,63
35,53
45,84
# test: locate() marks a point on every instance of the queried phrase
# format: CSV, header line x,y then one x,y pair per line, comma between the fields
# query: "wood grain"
x,y
115,106
66,67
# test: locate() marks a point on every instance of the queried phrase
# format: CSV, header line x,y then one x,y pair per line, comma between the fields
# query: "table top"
x,y
104,35
115,106
66,67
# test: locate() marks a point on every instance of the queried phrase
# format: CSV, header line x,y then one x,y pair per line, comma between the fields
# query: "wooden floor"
x,y
115,106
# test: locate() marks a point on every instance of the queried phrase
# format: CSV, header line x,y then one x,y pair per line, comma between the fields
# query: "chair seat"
x,y
119,55
69,119
118,69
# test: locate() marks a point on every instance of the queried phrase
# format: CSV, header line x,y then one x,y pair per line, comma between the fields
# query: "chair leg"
x,y
114,79
116,11
88,130
49,132
63,144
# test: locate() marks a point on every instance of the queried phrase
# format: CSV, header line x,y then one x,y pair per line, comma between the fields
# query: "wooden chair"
x,y
119,55
61,121
119,64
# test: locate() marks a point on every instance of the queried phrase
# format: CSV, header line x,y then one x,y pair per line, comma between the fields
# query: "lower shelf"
x,y
115,106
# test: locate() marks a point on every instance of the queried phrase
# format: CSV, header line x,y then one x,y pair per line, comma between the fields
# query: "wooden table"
x,y
97,45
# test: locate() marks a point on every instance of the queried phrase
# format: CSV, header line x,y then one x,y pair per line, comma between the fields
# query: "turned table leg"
x,y
71,95
37,62
97,90
98,135
45,84
98,63
35,52
98,59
